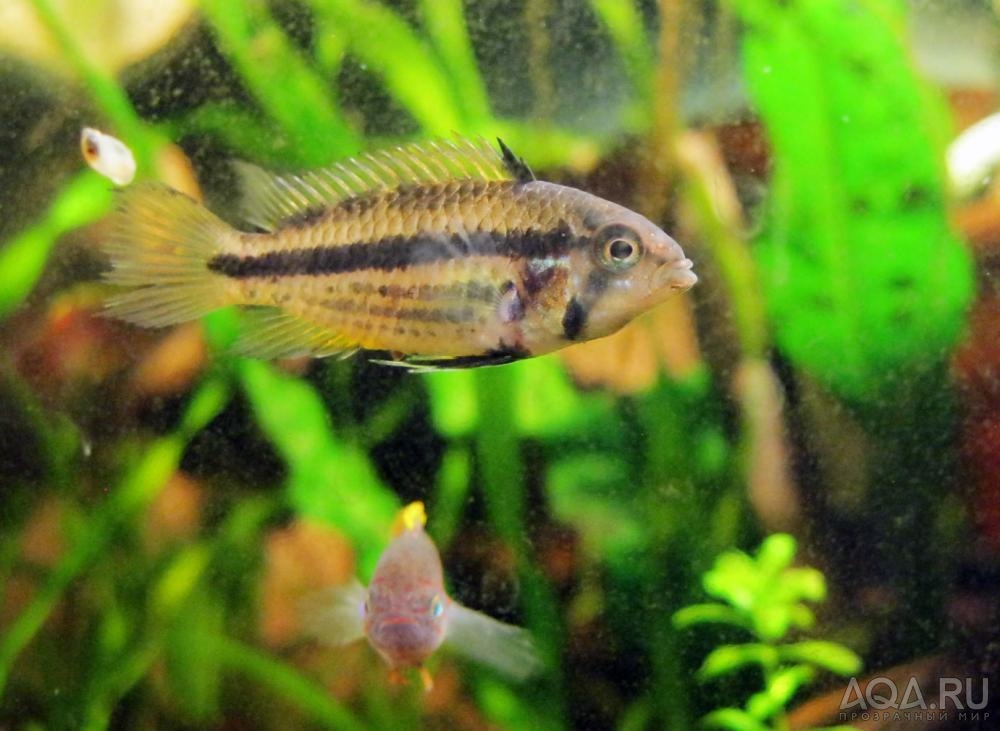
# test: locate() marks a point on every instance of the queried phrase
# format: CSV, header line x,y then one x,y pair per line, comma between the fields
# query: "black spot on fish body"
x,y
574,319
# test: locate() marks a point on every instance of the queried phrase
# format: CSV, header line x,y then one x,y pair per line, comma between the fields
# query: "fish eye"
x,y
618,248
437,607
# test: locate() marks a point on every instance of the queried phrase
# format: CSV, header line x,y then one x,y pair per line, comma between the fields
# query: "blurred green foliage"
x,y
865,280
764,596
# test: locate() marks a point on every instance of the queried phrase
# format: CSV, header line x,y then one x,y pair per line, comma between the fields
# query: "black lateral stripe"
x,y
397,252
574,319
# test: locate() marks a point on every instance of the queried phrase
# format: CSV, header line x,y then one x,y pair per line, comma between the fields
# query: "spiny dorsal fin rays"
x,y
269,200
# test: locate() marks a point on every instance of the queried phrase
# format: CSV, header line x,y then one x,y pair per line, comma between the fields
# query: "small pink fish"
x,y
406,614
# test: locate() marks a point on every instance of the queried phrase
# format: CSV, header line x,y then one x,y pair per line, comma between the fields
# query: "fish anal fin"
x,y
271,201
269,332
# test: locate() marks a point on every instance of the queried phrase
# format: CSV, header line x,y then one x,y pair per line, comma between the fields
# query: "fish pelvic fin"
x,y
336,617
504,647
160,244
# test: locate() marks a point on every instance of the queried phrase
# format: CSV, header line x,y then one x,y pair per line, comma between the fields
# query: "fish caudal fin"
x,y
503,647
336,617
160,244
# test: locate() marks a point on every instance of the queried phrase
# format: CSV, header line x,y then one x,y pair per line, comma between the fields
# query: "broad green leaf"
x,y
828,655
865,281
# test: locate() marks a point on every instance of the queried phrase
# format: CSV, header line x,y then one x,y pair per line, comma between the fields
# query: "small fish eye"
x,y
437,607
619,248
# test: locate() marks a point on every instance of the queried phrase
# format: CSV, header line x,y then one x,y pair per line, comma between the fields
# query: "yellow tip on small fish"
x,y
412,517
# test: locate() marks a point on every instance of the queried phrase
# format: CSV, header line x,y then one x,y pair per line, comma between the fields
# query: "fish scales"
x,y
439,271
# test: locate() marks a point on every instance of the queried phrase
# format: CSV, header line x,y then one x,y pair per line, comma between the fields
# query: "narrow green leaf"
x,y
779,691
137,489
706,613
728,658
85,199
281,81
446,26
378,37
733,719
282,680
828,655
329,480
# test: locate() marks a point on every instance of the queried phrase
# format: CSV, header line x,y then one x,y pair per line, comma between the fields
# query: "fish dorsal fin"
x,y
271,200
412,517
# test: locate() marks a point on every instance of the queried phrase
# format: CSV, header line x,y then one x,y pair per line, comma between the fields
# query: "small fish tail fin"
x,y
411,517
336,616
160,244
504,647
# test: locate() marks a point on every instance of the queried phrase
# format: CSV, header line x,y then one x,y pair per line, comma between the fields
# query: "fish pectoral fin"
x,y
270,201
269,332
336,616
507,648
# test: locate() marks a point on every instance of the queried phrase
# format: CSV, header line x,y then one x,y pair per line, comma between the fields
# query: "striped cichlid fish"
x,y
406,613
445,253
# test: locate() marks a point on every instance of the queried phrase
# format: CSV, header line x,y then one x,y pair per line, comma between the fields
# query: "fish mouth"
x,y
678,275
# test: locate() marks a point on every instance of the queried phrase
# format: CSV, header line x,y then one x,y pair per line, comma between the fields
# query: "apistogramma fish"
x,y
406,614
442,253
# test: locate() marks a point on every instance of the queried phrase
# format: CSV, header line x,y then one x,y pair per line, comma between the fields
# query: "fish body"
x,y
444,254
406,613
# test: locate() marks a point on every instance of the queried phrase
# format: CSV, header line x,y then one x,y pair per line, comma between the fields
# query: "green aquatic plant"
x,y
865,281
764,595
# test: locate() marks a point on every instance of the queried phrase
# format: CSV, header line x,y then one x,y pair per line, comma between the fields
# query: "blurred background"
x,y
166,507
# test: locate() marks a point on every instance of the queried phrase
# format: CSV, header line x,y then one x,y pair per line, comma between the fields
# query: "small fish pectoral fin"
x,y
269,332
269,201
336,617
504,647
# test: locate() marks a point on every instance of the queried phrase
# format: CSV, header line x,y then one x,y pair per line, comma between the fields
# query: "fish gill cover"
x,y
864,278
